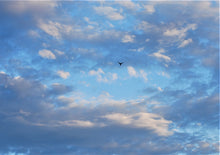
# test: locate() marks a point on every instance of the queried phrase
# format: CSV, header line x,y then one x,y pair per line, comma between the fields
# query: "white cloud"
x,y
76,123
160,89
143,74
33,33
63,74
2,72
204,9
144,120
147,40
46,54
25,113
145,26
133,73
114,76
109,12
90,22
59,52
149,8
128,4
128,38
159,55
55,29
102,76
164,74
185,42
137,50
180,33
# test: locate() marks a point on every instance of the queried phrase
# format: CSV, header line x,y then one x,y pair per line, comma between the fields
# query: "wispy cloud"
x,y
54,29
109,12
133,73
161,56
102,76
179,32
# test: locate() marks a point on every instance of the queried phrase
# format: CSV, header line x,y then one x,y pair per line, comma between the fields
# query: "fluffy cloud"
x,y
109,12
142,120
46,54
132,71
63,74
160,55
102,76
128,39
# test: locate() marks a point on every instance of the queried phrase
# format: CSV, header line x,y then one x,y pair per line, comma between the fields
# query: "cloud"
x,y
55,29
137,50
128,39
20,7
149,8
102,76
185,42
58,89
160,89
59,52
51,117
128,4
46,54
133,73
179,32
63,74
165,74
142,120
35,110
159,55
143,74
147,27
70,123
109,12
90,22
34,34
147,40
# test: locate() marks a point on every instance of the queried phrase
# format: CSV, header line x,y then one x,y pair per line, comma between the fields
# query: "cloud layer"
x,y
62,90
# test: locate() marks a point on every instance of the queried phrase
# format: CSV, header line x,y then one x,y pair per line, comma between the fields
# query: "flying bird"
x,y
120,63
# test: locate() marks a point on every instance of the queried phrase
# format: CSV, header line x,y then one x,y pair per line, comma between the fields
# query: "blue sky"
x,y
62,90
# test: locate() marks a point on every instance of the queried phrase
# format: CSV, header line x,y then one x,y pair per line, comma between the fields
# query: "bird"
x,y
120,63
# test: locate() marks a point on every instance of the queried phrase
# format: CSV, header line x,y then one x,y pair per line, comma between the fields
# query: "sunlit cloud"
x,y
46,54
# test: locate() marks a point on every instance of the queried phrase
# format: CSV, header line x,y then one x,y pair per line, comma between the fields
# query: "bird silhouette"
x,y
120,63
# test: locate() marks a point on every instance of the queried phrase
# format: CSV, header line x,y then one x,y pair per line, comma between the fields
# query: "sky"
x,y
62,90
